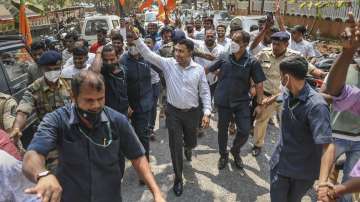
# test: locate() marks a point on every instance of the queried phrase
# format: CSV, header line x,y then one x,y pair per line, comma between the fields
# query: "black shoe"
x,y
187,153
223,161
256,151
152,136
237,160
178,188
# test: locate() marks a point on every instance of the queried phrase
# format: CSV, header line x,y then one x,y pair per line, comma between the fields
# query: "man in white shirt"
x,y
221,39
90,57
122,28
299,44
80,56
69,42
185,84
199,31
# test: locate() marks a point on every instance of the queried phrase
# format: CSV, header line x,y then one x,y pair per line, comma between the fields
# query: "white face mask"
x,y
52,76
133,50
234,47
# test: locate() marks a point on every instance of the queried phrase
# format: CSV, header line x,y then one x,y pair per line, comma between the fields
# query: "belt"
x,y
182,110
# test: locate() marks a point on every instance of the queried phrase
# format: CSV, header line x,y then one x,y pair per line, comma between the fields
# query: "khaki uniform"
x,y
42,99
271,68
7,111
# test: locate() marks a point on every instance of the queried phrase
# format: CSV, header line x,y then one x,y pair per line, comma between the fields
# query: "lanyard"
x,y
106,142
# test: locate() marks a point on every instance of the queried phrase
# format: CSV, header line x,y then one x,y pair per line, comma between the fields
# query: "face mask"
x,y
52,76
108,68
133,50
92,117
234,47
284,84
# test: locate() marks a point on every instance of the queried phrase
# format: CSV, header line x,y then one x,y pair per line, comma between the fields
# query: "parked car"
x,y
15,59
88,30
247,21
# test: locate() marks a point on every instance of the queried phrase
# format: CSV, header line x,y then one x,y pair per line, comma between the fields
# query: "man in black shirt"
x,y
237,71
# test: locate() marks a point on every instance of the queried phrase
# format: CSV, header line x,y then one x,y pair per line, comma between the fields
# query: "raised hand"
x,y
351,36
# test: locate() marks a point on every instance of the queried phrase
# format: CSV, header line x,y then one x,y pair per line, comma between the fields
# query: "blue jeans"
x,y
352,153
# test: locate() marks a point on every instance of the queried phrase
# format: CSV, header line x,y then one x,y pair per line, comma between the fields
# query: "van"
x,y
88,30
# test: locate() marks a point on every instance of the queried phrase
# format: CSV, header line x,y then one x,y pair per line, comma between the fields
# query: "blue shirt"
x,y
82,162
139,89
234,79
305,128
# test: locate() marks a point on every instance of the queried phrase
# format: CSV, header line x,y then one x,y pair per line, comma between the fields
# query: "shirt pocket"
x,y
107,155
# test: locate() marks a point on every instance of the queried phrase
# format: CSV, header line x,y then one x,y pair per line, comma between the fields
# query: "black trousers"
x,y
182,128
140,122
242,120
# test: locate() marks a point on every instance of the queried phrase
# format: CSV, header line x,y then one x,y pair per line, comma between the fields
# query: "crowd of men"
x,y
97,105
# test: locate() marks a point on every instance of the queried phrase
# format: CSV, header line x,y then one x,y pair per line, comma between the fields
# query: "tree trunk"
x,y
195,4
262,7
248,9
221,7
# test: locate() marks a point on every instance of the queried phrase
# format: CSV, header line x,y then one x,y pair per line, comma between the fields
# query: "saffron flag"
x,y
122,2
24,28
144,5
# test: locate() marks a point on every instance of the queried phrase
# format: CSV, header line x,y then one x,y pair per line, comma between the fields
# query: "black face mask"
x,y
109,68
92,117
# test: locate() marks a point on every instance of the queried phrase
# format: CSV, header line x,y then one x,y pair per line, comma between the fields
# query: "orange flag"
x,y
171,5
122,2
24,28
146,4
161,14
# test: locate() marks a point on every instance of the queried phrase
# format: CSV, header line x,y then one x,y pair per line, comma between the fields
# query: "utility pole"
x,y
262,6
248,9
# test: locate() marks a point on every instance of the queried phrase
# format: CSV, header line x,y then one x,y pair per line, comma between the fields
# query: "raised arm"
x,y
337,75
278,16
261,35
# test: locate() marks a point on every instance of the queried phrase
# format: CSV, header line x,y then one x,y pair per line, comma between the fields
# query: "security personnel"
x,y
90,138
270,59
139,90
44,95
8,106
232,94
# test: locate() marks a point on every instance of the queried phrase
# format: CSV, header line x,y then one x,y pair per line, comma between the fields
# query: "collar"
x,y
46,87
75,119
303,95
191,65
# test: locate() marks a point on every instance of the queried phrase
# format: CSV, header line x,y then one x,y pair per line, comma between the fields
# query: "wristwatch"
x,y
42,174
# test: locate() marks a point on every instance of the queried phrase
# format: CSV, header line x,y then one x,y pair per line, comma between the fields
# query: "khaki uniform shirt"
x,y
8,111
271,68
42,99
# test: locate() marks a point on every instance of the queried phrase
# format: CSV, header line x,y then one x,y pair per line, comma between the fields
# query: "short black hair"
x,y
107,48
87,77
166,29
84,41
188,43
148,36
117,36
295,65
221,25
245,36
38,45
80,51
72,35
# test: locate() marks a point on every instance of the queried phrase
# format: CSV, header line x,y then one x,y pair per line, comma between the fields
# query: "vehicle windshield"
x,y
150,17
16,62
93,25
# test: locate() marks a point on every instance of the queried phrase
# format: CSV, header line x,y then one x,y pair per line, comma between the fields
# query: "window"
x,y
16,62
115,23
92,25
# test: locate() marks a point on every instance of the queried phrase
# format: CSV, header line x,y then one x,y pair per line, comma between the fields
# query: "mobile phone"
x,y
269,17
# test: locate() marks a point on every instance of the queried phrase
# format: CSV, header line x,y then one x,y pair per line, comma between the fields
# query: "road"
x,y
203,181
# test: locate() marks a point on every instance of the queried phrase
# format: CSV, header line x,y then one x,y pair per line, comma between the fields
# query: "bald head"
x,y
89,80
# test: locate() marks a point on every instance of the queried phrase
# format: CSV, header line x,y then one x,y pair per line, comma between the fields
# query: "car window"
x,y
115,23
16,62
92,25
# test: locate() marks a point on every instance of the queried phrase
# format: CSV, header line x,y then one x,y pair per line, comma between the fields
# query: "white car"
x,y
89,29
247,21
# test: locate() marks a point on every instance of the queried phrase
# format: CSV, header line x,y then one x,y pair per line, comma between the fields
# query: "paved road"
x,y
203,181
